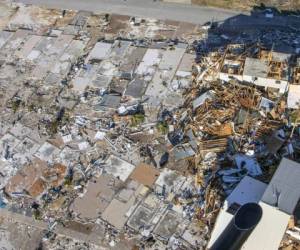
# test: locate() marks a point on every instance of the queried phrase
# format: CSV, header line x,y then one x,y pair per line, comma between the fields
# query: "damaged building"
x,y
124,132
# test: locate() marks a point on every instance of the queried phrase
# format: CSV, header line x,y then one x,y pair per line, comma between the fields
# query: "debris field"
x,y
121,132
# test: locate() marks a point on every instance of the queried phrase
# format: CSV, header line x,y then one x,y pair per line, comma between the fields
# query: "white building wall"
x,y
260,81
268,82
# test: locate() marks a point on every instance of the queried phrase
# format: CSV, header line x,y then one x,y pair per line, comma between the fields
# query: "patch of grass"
x,y
31,107
162,127
56,123
137,119
37,214
53,128
15,105
66,118
68,181
295,116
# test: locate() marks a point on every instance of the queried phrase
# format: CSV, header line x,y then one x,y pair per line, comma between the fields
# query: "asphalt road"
x,y
142,8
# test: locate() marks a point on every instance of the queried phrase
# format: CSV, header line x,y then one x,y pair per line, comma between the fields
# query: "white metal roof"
x,y
268,234
293,100
283,191
248,190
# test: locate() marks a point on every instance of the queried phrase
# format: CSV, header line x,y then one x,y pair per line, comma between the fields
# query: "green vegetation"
x,y
53,128
37,214
68,181
16,103
162,127
66,118
57,122
295,116
137,119
31,107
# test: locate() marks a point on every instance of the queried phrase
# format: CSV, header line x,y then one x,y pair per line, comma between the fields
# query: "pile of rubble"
x,y
115,132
